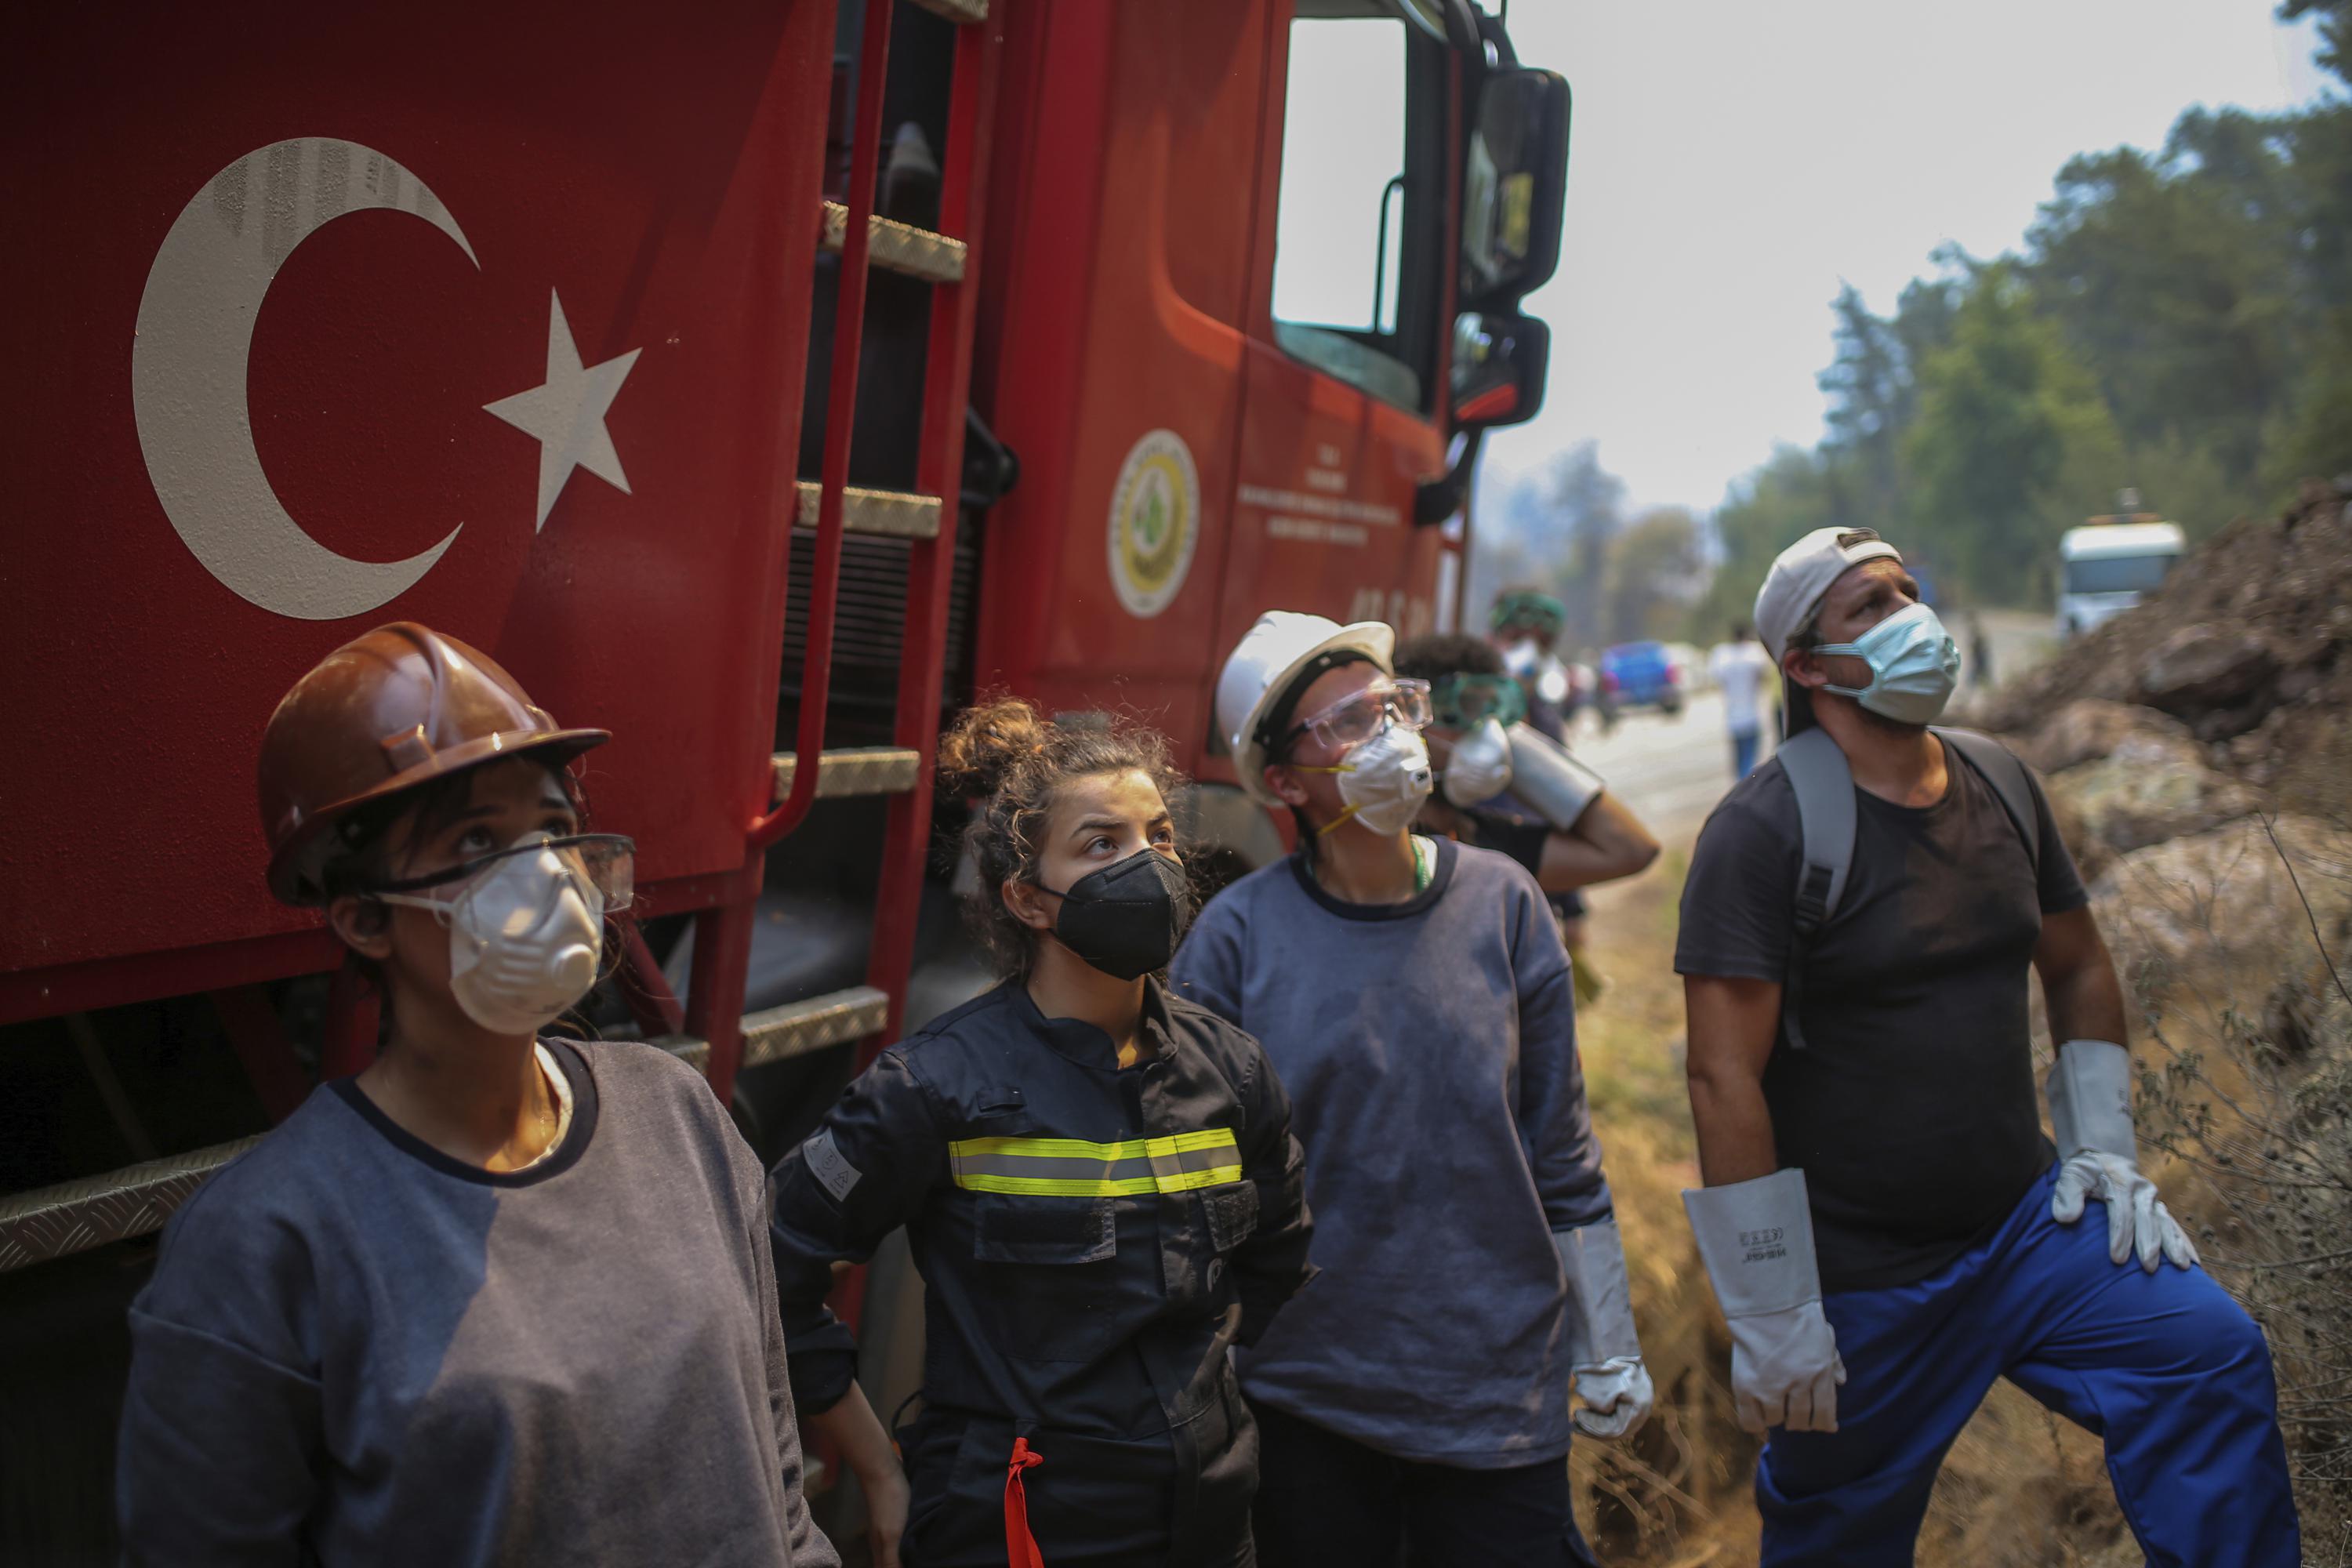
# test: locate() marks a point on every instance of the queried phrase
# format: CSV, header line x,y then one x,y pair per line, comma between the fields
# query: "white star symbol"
x,y
567,414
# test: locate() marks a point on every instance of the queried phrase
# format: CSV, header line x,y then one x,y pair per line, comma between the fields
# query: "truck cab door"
x,y
1344,367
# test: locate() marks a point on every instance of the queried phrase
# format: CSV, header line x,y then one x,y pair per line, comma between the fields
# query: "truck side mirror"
x,y
1515,187
1500,363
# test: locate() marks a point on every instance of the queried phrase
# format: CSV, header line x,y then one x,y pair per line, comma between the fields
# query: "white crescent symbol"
x,y
204,293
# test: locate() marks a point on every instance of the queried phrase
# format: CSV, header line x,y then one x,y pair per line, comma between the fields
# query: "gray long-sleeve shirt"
x,y
1430,1052
356,1350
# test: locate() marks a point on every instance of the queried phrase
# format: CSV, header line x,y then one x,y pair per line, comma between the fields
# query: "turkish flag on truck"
x,y
487,317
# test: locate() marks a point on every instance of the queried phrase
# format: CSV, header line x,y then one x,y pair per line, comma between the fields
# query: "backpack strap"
x,y
1817,772
2004,770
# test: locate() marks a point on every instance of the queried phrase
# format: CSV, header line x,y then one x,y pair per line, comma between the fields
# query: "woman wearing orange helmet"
x,y
500,1297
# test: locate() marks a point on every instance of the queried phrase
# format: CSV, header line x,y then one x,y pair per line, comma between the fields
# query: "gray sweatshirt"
x,y
356,1350
1429,1048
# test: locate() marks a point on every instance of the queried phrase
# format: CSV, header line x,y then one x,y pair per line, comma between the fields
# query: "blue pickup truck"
x,y
1640,675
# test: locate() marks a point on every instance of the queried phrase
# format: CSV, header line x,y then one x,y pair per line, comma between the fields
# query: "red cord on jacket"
x,y
1020,1546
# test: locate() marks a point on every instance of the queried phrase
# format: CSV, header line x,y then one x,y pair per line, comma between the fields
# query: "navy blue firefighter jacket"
x,y
1093,1240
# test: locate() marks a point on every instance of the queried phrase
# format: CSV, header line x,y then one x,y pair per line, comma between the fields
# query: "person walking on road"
x,y
1098,1182
1416,998
1739,667
502,1298
1980,673
1886,1228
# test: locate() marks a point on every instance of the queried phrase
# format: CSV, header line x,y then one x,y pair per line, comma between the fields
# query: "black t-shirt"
x,y
1911,1110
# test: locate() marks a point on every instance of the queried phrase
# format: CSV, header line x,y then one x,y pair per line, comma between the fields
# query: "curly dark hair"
x,y
1010,760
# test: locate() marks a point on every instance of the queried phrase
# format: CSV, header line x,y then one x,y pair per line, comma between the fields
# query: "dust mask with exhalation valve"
x,y
1383,781
526,925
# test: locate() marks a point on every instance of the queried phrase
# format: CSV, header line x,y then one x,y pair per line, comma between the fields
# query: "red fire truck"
x,y
753,379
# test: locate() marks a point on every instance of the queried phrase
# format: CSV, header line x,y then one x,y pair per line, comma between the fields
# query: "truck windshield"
x,y
2119,573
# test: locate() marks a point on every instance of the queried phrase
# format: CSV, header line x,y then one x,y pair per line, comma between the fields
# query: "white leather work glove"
x,y
1617,1396
2090,1120
1756,1241
1605,1353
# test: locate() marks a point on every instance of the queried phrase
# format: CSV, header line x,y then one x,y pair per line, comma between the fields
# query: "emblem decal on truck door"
x,y
1155,522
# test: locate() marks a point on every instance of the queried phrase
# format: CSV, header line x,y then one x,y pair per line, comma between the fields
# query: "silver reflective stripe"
x,y
1047,1167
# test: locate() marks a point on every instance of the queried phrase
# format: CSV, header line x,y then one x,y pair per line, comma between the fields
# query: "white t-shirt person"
x,y
1740,668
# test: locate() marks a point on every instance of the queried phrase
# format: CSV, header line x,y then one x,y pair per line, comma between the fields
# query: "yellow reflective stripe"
x,y
1183,1143
995,1164
1080,1149
1189,1181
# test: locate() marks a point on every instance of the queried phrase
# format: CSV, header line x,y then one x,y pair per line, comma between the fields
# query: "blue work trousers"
x,y
2164,1367
1743,752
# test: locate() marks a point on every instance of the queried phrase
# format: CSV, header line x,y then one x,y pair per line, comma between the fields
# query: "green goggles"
x,y
1538,613
1466,701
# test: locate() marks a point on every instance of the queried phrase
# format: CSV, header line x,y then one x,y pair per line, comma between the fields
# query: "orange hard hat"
x,y
398,708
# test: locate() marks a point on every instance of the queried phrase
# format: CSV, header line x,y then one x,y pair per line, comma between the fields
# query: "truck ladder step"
x,y
844,771
74,1216
961,11
897,247
796,1028
891,514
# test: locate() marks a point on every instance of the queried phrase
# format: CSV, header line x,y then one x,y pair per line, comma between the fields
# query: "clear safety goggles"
x,y
604,862
1356,719
1467,702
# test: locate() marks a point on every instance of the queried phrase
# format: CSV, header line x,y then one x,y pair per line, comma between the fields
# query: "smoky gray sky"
x,y
1730,161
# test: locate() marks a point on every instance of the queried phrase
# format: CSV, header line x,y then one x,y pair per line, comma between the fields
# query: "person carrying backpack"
x,y
1885,1226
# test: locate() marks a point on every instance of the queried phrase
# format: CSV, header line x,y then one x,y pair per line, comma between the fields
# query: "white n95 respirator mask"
x,y
1479,767
1383,781
526,925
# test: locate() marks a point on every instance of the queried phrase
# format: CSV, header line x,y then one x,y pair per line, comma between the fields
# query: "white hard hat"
x,y
1271,656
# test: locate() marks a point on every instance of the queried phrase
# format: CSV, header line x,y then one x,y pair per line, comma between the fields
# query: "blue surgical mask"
x,y
1914,665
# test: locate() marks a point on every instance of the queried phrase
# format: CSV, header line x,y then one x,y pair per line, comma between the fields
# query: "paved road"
x,y
2021,639
1670,771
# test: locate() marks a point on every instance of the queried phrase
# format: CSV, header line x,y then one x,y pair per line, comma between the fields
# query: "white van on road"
x,y
2105,568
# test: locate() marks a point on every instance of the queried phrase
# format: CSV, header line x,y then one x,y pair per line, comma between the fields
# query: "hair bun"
x,y
988,741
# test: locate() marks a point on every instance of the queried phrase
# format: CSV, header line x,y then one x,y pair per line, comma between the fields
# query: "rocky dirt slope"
x,y
2198,754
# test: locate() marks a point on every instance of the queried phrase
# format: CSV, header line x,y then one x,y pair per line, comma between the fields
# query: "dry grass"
x,y
1679,1493
2247,1085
